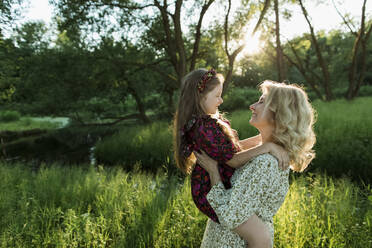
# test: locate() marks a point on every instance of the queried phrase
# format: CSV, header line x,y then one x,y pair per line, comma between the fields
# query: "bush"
x,y
239,98
10,115
365,90
150,145
340,93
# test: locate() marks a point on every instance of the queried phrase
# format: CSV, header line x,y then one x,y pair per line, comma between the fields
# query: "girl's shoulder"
x,y
198,121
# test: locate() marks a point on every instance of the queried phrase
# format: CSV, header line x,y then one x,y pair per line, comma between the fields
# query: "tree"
x,y
325,79
230,56
317,78
279,51
358,55
9,10
9,70
32,36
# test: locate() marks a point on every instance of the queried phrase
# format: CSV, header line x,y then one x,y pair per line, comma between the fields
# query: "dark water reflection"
x,y
69,145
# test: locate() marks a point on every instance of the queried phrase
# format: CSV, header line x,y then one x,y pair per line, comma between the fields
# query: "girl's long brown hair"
x,y
189,105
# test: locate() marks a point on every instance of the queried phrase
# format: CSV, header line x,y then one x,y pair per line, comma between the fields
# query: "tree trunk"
x,y
326,77
279,52
309,80
140,105
231,57
198,35
356,79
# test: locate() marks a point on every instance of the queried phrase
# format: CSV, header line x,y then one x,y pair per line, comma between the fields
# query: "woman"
x,y
282,115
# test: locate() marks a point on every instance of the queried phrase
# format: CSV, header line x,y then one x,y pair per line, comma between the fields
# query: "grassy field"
x,y
88,207
84,206
343,129
27,123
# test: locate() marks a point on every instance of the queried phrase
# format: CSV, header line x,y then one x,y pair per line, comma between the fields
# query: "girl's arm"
x,y
250,142
240,158
213,141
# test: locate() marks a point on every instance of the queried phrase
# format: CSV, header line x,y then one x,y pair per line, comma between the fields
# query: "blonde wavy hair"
x,y
294,118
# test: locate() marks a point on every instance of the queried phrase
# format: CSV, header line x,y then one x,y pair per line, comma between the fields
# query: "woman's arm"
x,y
250,142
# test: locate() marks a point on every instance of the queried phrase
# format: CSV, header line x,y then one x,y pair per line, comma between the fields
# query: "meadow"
x,y
13,121
135,197
108,207
343,147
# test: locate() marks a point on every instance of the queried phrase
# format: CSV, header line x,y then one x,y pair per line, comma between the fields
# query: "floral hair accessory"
x,y
205,78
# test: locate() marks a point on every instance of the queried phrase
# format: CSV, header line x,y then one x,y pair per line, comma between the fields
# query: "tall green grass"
x,y
343,129
150,146
320,211
26,123
76,207
97,207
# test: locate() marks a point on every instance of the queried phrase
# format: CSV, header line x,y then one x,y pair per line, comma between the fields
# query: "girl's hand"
x,y
280,153
206,162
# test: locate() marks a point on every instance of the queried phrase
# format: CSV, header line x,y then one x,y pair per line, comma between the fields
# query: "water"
x,y
63,121
92,158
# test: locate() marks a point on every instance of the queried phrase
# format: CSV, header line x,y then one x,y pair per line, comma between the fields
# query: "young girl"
x,y
199,126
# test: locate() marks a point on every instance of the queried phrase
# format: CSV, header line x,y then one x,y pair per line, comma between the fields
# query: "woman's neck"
x,y
266,134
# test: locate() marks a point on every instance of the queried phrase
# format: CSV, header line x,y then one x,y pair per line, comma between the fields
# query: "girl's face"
x,y
261,117
212,100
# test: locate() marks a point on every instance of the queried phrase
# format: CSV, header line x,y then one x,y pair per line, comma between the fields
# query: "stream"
x,y
65,145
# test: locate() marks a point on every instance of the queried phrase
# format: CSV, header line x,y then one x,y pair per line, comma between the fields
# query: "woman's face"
x,y
212,100
261,117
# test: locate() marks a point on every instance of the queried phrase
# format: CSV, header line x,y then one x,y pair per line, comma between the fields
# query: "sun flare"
x,y
253,43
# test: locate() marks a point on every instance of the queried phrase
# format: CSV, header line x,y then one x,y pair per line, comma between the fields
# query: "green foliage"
x,y
26,123
240,121
96,207
9,10
239,98
150,145
9,115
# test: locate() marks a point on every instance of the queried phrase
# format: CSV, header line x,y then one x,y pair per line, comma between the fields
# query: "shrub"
x,y
239,98
151,145
10,115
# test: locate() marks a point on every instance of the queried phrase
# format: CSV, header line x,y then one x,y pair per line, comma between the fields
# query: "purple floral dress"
x,y
204,133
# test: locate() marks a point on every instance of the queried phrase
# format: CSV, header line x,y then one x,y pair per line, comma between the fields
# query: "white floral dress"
x,y
259,187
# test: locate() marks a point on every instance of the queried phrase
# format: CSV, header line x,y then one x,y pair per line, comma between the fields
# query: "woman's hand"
x,y
280,153
206,162
210,165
